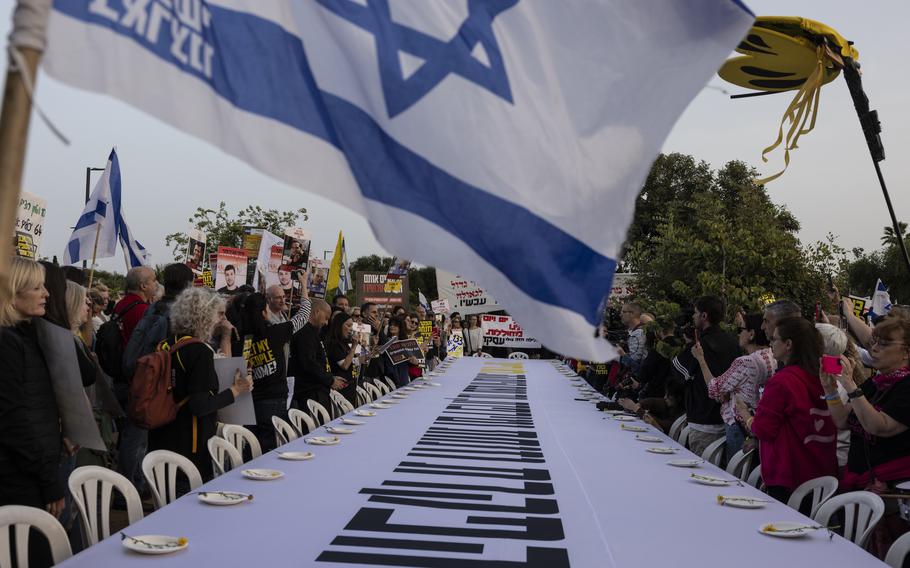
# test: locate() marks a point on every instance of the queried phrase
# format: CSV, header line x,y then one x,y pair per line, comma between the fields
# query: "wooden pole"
x,y
15,114
91,273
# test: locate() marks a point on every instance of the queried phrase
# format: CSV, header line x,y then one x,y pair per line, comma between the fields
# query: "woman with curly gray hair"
x,y
194,316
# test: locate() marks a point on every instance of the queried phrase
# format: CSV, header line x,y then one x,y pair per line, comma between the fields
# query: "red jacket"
x,y
132,316
797,436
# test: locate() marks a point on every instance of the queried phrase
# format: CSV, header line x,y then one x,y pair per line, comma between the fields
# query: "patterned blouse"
x,y
743,378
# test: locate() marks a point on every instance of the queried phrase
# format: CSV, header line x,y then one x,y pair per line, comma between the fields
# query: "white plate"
x,y
322,440
709,480
660,450
339,430
633,428
787,529
624,418
379,405
223,497
643,438
412,389
399,395
389,401
153,544
364,413
352,422
685,463
432,384
742,501
262,474
296,456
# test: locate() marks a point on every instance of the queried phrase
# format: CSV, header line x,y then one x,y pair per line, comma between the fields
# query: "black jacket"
x,y
309,362
720,348
30,438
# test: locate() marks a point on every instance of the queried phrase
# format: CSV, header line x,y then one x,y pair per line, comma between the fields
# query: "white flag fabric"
x,y
881,299
103,217
510,137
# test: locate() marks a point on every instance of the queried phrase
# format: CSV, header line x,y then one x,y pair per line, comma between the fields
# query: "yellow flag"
x,y
338,282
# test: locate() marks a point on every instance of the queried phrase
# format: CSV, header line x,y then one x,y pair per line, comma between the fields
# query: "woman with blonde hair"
x,y
31,444
194,315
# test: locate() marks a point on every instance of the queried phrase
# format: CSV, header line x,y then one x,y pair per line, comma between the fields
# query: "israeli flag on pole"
x,y
102,219
511,137
881,300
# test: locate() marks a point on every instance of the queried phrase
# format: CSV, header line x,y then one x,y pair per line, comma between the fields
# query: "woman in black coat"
x,y
31,443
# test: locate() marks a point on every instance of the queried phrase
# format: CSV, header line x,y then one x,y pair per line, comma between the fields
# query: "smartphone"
x,y
832,365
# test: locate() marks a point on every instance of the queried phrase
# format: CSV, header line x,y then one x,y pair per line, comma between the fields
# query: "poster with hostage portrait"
x,y
296,249
195,250
268,261
317,277
230,271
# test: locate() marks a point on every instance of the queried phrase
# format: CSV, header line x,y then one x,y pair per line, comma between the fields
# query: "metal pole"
x,y
872,127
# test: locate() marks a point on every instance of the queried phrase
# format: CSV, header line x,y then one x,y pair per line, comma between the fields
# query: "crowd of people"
x,y
824,398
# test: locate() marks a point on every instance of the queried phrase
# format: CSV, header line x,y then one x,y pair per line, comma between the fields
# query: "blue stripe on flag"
x,y
264,70
90,218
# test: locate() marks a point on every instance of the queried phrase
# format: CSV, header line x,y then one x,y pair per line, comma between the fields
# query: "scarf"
x,y
884,381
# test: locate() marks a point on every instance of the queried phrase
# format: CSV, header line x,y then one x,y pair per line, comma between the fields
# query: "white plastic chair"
x,y
754,478
219,429
373,390
83,484
741,464
486,355
284,432
684,436
225,456
302,421
391,383
714,453
363,397
160,470
22,518
517,355
382,386
898,552
862,511
676,428
821,488
239,437
318,412
343,405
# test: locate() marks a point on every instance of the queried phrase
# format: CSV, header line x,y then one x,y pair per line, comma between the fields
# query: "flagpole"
x,y
91,274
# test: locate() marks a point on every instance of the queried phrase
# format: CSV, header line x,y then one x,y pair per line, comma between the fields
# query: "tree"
x,y
889,238
223,229
698,232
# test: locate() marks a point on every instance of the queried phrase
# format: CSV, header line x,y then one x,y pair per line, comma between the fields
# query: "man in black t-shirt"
x,y
310,367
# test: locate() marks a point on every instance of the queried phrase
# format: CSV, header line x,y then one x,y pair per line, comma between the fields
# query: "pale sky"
x,y
830,185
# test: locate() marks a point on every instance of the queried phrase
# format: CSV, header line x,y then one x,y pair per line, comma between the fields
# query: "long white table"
x,y
500,466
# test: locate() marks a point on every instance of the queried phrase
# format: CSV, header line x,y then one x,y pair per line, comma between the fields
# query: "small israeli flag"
x,y
102,222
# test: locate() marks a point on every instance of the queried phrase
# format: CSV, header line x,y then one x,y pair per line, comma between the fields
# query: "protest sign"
x,y
241,411
425,331
268,260
361,334
464,295
252,238
440,306
860,305
370,287
402,350
195,250
503,331
29,225
455,345
318,273
206,278
296,249
623,286
230,272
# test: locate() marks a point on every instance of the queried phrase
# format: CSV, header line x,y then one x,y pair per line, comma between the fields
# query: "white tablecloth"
x,y
612,503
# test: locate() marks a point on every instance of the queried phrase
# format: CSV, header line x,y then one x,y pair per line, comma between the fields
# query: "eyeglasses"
x,y
876,341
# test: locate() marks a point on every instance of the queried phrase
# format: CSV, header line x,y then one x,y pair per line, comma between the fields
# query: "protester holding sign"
x,y
473,336
342,351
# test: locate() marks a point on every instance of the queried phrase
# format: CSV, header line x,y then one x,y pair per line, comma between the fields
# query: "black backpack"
x,y
109,344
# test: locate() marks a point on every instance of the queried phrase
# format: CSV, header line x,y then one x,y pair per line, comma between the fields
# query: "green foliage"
x,y
112,280
699,232
224,229
859,275
422,279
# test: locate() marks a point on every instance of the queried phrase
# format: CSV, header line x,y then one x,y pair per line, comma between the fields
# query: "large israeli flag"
x,y
504,140
103,220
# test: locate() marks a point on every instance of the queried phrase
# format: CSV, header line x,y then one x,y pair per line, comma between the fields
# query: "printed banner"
x,y
252,238
425,331
296,249
195,250
230,273
361,334
317,273
623,286
241,411
29,225
504,331
440,306
861,306
371,287
464,295
397,271
455,345
402,350
268,261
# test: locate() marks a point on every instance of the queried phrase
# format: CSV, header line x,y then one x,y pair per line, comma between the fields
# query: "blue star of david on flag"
x,y
440,58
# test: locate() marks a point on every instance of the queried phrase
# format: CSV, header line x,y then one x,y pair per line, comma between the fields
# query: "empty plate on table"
x,y
399,395
296,456
414,388
787,529
661,450
364,413
262,474
352,422
633,428
322,440
223,497
710,480
432,384
339,430
154,543
685,463
643,438
379,405
742,501
624,418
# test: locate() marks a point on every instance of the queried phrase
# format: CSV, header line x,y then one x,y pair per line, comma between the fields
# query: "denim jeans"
x,y
133,443
735,439
265,409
